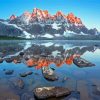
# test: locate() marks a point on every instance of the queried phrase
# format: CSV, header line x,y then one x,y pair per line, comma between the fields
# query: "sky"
x,y
87,10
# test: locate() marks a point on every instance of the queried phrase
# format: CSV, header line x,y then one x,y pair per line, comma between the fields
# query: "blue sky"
x,y
87,10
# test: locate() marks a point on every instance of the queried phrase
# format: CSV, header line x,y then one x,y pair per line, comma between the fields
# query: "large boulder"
x,y
48,92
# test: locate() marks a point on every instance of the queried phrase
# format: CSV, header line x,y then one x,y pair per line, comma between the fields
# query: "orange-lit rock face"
x,y
37,12
15,61
59,63
30,62
53,17
27,14
44,62
69,60
59,13
44,15
40,13
39,64
12,17
33,15
73,19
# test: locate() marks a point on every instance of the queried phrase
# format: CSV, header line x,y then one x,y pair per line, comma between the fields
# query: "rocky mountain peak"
x,y
12,17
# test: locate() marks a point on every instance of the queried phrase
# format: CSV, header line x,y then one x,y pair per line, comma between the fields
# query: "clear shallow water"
x,y
78,79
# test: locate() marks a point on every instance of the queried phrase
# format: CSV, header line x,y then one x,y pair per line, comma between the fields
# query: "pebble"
x,y
9,72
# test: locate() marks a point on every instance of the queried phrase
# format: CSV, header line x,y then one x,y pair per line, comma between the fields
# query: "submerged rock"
x,y
26,73
48,92
65,79
96,90
29,72
9,72
75,95
27,96
36,73
18,83
23,74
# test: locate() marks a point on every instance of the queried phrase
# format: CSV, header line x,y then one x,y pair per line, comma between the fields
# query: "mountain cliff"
x,y
40,24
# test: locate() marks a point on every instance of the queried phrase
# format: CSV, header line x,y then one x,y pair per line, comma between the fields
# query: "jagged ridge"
x,y
40,24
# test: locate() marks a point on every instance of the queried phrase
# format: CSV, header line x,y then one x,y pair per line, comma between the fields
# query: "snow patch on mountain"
x,y
55,26
68,33
48,36
14,25
27,35
83,33
55,53
57,35
57,45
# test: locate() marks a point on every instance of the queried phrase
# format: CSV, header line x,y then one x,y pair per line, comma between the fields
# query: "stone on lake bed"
x,y
29,72
27,96
49,92
23,74
50,77
9,72
65,79
26,73
49,74
17,82
75,95
36,73
96,90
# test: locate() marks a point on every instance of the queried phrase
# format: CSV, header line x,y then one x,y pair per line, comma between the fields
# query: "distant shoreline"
x,y
17,38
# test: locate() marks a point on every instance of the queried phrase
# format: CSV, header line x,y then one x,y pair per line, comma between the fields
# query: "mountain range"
x,y
40,24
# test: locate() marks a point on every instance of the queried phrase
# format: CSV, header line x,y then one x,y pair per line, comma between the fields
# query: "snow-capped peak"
x,y
12,17
55,26
43,15
47,36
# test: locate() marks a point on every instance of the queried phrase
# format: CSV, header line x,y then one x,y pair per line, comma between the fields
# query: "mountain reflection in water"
x,y
22,56
43,54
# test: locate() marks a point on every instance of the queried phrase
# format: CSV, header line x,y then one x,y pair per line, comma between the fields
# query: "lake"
x,y
27,56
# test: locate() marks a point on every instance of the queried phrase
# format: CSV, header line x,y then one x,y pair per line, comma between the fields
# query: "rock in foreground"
x,y
80,62
9,72
49,74
49,92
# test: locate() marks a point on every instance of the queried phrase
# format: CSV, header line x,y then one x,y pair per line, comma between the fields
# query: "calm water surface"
x,y
77,79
